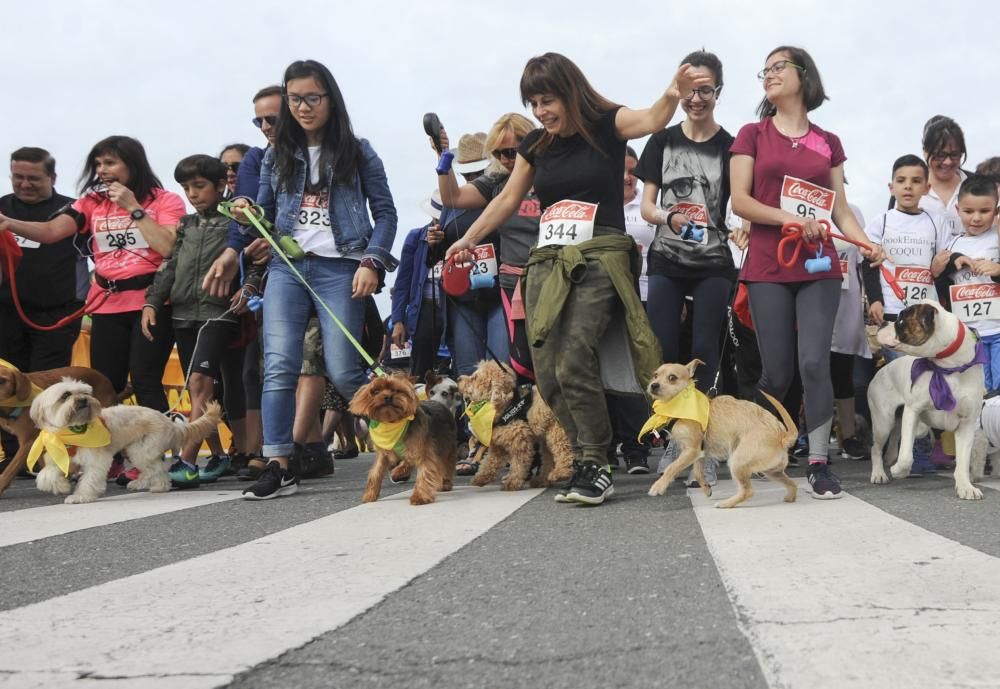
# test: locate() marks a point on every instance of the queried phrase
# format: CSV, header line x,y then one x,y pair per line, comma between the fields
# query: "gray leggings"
x,y
803,311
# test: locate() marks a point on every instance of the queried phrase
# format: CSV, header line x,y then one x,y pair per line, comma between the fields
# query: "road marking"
x,y
160,639
825,591
32,524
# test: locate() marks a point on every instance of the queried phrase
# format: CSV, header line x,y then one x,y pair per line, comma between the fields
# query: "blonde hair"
x,y
512,123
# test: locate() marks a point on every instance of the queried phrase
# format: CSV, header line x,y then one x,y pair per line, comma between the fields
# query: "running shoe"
x,y
592,486
824,483
217,466
274,482
184,475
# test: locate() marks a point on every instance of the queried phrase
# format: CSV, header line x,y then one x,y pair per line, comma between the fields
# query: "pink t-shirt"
x,y
816,154
120,250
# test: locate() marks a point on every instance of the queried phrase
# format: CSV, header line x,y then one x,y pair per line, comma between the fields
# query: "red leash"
x,y
792,234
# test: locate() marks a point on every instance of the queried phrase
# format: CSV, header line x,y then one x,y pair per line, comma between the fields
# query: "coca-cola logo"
x,y
812,195
920,275
968,292
530,208
570,211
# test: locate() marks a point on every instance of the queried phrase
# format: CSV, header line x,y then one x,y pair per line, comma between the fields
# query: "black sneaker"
x,y
824,483
592,485
852,448
274,482
636,464
561,494
613,459
793,461
316,464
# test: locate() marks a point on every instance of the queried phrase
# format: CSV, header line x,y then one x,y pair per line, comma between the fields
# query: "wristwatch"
x,y
138,214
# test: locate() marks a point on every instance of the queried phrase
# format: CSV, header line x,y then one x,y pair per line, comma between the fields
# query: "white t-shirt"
x,y
642,232
935,205
910,242
986,245
312,228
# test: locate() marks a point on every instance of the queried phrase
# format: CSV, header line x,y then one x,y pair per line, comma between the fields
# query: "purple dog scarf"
x,y
941,394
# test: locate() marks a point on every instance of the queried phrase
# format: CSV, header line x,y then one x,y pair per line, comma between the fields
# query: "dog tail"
x,y
791,429
198,430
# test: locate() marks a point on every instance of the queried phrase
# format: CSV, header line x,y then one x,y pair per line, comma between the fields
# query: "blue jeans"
x,y
287,307
467,335
992,368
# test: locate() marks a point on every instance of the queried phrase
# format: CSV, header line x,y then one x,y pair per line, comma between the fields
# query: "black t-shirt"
x,y
571,169
694,176
519,233
46,276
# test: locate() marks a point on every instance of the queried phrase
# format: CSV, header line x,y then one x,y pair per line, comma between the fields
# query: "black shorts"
x,y
211,346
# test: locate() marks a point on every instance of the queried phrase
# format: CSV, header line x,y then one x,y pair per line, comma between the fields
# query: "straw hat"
x,y
432,206
470,156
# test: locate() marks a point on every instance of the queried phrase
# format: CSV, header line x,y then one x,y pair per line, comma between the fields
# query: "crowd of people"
x,y
585,279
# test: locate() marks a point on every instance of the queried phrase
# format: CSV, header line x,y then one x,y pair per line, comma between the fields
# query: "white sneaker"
x,y
711,474
670,453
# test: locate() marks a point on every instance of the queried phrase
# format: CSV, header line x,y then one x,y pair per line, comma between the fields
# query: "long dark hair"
x,y
338,147
812,91
141,179
559,76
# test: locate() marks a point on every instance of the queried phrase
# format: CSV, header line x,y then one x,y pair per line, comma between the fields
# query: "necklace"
x,y
794,139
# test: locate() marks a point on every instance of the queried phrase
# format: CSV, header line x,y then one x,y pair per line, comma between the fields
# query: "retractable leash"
x,y
255,214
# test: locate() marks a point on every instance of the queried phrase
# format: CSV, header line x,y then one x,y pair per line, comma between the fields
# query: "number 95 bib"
x,y
567,222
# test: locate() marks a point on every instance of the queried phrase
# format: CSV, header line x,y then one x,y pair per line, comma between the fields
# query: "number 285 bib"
x,y
567,222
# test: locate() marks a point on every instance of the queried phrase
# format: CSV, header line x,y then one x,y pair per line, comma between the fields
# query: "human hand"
x,y
148,321
399,334
877,311
812,230
940,262
686,80
364,284
461,250
237,208
985,266
435,235
259,251
221,273
122,196
678,221
741,238
443,136
874,253
964,262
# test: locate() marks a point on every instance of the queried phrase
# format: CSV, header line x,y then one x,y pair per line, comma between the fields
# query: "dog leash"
x,y
255,214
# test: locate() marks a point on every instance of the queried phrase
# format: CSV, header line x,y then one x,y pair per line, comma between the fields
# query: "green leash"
x,y
255,214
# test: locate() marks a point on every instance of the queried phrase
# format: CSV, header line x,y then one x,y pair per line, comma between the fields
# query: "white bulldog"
x,y
940,385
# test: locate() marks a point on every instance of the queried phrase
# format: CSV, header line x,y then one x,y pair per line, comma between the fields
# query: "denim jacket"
x,y
349,204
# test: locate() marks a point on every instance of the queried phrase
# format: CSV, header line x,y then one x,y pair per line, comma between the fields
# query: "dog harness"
x,y
940,392
690,404
389,436
483,415
13,402
93,434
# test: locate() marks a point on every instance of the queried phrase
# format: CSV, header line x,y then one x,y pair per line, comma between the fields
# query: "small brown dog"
x,y
15,385
515,434
404,429
748,434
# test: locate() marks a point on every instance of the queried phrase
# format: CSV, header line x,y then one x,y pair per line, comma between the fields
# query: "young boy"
x,y
974,258
911,238
204,326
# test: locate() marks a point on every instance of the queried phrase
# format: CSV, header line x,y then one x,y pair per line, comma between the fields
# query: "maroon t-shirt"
x,y
816,154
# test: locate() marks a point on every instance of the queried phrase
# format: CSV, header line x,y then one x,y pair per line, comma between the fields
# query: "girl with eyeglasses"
x,y
687,167
580,278
318,182
944,150
786,169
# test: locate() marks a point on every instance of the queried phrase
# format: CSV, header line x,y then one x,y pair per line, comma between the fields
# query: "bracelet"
x,y
371,264
670,216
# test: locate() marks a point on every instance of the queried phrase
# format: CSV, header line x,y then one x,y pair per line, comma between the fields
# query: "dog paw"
x,y
77,499
421,500
657,489
137,484
57,485
899,471
511,485
479,481
969,492
879,478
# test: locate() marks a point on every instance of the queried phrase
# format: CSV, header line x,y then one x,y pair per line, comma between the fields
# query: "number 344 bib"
x,y
567,222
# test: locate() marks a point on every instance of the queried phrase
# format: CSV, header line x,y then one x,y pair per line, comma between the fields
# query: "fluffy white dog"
x,y
143,434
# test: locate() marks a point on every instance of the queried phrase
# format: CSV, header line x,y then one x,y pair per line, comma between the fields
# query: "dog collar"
x,y
953,347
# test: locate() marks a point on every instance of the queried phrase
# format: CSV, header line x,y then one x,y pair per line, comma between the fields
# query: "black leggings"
x,y
842,374
118,349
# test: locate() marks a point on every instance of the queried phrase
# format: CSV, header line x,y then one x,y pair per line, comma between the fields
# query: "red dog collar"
x,y
953,347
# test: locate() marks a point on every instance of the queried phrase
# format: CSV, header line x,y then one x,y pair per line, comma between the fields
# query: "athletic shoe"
x,y
793,461
253,469
711,474
592,486
801,449
824,483
127,477
852,448
561,494
316,464
216,467
117,468
636,464
350,453
274,482
237,461
183,475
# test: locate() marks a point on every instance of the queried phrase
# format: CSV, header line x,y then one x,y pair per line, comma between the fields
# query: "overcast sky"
x,y
179,75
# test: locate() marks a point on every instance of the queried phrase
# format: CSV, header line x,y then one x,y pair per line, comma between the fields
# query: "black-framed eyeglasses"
x,y
508,153
232,167
310,99
258,122
777,68
683,187
945,155
705,92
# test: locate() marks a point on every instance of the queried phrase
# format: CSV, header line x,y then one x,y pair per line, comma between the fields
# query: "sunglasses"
x,y
258,122
509,153
234,167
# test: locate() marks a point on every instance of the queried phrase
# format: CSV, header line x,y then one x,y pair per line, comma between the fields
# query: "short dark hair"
x,y
630,153
990,168
267,91
938,131
200,165
32,154
242,148
978,185
813,94
703,58
910,160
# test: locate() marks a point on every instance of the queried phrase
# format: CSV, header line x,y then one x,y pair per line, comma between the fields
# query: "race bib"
x,y
314,213
807,200
397,352
842,253
915,281
975,302
484,260
435,272
567,222
118,234
696,213
25,243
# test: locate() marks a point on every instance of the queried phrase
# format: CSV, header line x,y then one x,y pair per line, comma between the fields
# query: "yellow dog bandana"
x,y
389,436
93,434
481,415
12,401
690,404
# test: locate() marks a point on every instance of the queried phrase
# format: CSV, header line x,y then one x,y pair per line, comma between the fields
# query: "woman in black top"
x,y
578,278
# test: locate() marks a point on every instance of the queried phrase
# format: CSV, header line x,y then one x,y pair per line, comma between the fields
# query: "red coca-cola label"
x,y
914,274
810,193
530,208
695,212
974,292
570,210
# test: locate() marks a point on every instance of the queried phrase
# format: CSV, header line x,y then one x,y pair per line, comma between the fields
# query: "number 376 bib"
x,y
567,222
